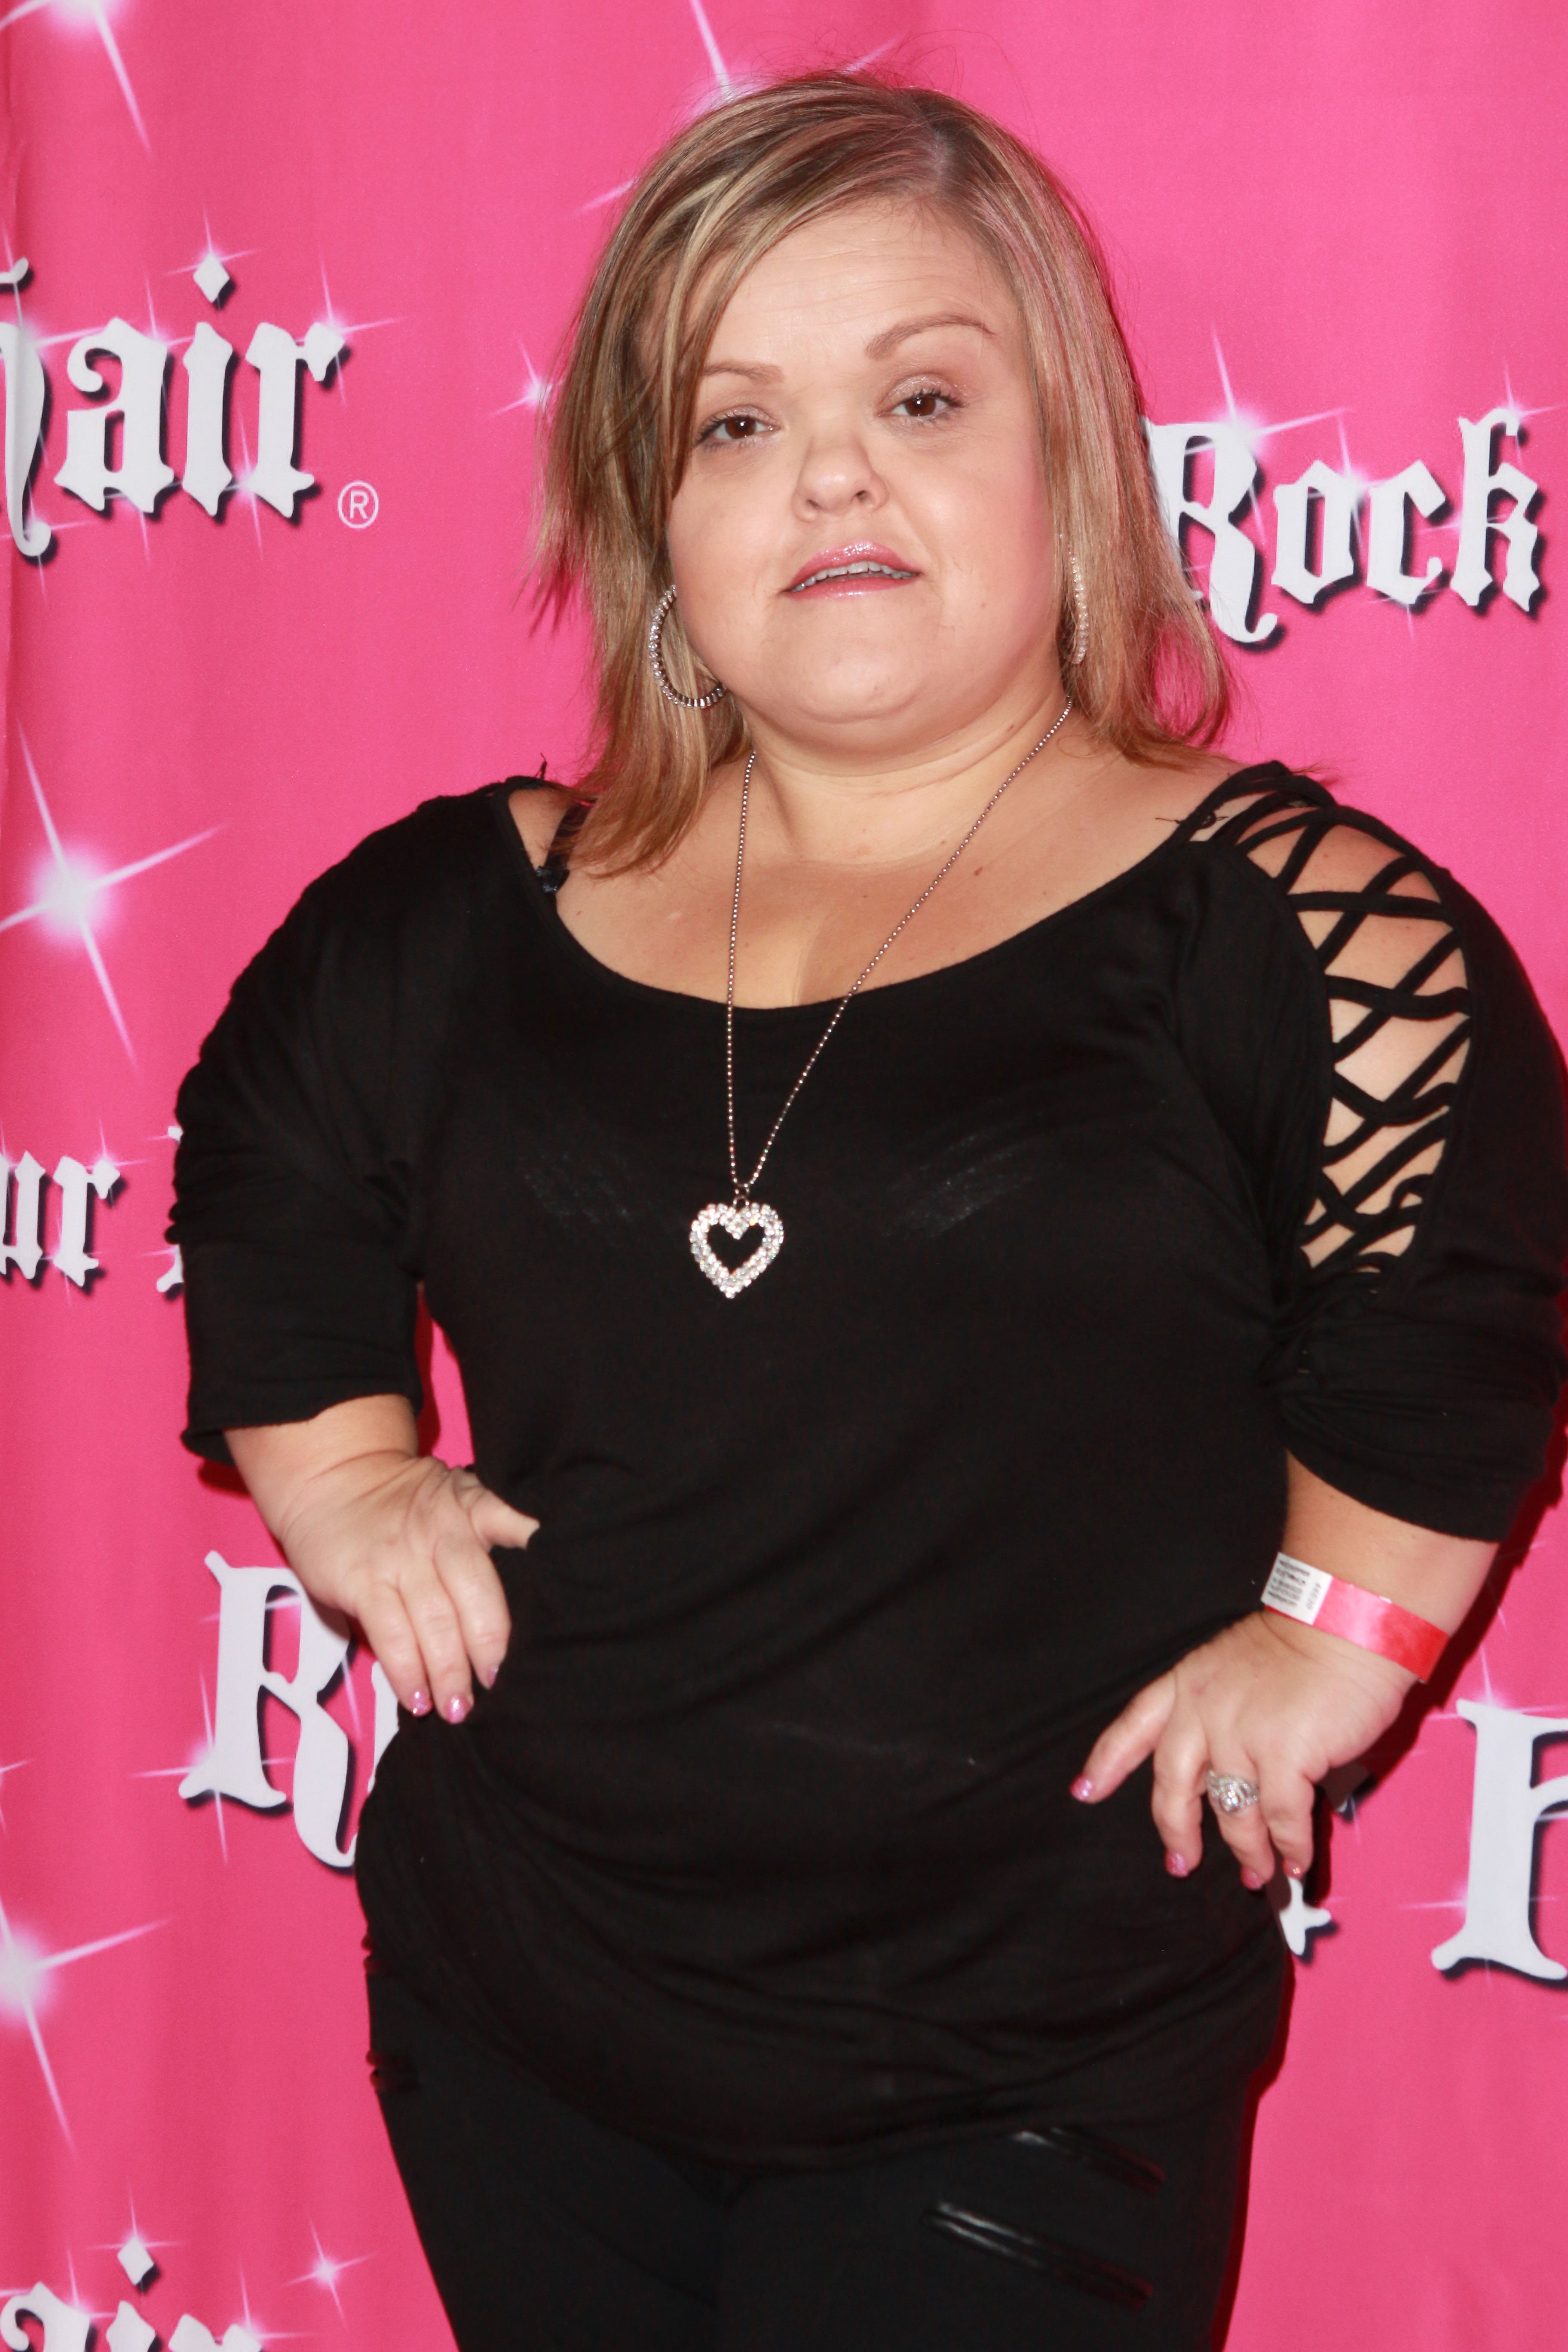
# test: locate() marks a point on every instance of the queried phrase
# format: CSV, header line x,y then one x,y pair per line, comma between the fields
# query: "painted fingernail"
x,y
456,1708
1176,1865
420,1702
1082,1788
1249,1878
487,1676
1295,1870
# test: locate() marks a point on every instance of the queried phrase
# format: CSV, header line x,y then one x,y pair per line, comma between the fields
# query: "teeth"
x,y
850,570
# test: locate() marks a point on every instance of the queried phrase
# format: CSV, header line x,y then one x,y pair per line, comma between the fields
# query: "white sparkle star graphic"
x,y
70,888
202,1762
1512,400
210,268
1253,428
137,2253
536,388
723,85
242,486
1359,483
347,327
327,2270
92,13
73,2292
20,1765
25,1967
256,2329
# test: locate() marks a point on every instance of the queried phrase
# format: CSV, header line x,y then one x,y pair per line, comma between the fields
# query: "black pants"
x,y
547,2233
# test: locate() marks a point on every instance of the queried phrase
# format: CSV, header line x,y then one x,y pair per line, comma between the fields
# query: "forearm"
x,y
1434,1576
398,1541
280,1461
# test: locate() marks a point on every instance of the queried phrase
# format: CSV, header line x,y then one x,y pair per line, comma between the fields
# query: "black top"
x,y
761,1847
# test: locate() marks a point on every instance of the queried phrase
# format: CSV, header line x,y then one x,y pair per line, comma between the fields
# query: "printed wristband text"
x,y
1312,1597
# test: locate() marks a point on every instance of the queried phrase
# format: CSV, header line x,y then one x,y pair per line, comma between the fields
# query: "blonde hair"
x,y
718,197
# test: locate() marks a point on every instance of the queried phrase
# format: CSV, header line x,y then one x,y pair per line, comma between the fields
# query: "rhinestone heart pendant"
x,y
737,1222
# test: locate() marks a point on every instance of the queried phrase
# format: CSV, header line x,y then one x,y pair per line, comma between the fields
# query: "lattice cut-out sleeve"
x,y
1398,1001
1404,1127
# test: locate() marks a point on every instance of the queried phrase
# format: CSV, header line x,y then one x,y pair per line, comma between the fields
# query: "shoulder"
x,y
425,875
401,914
1371,906
446,835
1286,821
1415,985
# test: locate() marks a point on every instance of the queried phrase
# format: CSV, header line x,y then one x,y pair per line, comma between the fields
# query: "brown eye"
x,y
925,405
740,427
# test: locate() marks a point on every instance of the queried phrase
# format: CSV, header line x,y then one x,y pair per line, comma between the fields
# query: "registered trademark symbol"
x,y
358,505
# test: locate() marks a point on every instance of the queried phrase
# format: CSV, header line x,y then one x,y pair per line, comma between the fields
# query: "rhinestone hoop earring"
x,y
1081,614
715,693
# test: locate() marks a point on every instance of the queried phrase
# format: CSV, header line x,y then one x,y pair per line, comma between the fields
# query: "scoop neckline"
x,y
544,903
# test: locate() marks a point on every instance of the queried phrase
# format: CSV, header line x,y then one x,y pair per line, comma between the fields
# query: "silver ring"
x,y
1228,1793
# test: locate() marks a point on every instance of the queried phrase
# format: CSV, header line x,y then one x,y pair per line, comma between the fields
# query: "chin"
x,y
855,694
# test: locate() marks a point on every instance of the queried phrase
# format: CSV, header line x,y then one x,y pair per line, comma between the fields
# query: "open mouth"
x,y
852,568
849,571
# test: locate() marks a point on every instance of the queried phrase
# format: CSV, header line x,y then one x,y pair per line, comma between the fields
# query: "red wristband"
x,y
1312,1597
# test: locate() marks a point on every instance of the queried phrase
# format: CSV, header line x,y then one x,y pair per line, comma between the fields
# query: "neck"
x,y
884,807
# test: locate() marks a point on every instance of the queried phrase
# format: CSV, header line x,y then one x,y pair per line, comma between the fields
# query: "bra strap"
x,y
558,857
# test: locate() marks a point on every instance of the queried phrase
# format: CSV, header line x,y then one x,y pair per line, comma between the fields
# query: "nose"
x,y
836,475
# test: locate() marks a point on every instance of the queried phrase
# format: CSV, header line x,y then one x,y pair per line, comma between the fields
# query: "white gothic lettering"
x,y
143,473
1507,1809
1335,501
22,1185
66,2329
1331,499
233,1766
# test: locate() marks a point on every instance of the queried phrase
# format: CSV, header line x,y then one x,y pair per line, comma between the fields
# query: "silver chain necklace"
x,y
743,1214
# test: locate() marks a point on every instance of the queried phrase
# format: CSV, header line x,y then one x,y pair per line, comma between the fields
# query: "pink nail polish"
x,y
1082,1788
1295,1870
456,1708
1250,1880
420,1702
487,1676
1175,1865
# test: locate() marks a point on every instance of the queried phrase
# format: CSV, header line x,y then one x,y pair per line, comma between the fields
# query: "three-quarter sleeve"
x,y
291,1197
1378,1057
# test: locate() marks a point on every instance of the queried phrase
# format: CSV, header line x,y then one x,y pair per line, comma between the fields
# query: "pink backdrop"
x,y
1337,231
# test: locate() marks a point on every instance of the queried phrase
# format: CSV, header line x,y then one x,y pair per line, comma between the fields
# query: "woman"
x,y
932,1179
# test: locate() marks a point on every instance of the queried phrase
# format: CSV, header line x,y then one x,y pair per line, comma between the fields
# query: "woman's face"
x,y
866,401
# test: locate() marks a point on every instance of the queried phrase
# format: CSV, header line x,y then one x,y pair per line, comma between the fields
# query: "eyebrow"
x,y
756,371
881,345
878,348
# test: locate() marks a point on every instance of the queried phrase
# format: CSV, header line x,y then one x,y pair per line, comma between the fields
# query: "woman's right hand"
x,y
395,1539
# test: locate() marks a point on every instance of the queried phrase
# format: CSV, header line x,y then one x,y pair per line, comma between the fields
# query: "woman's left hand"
x,y
1267,1700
